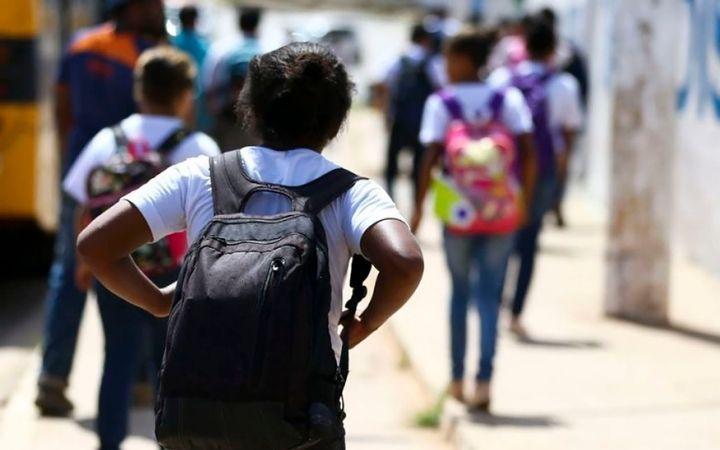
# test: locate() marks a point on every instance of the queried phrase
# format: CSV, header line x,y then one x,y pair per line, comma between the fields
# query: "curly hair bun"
x,y
296,95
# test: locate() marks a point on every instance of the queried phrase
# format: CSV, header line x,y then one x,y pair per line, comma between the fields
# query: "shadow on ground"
x,y
560,343
507,420
678,329
142,423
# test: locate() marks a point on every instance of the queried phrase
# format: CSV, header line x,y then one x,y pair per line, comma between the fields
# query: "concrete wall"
x,y
696,220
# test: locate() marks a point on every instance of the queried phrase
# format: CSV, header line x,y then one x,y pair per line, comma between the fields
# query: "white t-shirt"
x,y
563,94
144,133
181,198
474,98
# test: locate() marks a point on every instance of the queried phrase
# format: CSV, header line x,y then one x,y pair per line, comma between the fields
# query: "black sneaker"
x,y
51,399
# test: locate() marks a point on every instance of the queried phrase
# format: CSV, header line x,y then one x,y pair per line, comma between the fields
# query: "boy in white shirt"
x,y
164,80
554,99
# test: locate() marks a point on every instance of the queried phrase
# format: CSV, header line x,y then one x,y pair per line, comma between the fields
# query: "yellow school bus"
x,y
32,33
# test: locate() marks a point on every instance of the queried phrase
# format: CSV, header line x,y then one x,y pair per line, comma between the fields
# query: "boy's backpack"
x,y
412,87
248,361
126,170
534,88
478,192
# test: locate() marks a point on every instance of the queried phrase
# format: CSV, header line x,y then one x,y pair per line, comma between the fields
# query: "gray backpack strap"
x,y
121,140
230,186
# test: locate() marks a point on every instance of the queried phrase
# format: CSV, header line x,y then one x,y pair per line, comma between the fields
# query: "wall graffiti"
x,y
702,75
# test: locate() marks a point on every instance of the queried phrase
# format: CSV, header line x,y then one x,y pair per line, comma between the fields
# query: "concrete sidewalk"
x,y
381,400
583,381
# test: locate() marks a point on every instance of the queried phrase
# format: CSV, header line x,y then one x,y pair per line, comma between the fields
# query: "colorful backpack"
x,y
478,192
128,169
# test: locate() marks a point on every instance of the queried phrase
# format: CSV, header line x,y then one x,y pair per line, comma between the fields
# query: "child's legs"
x,y
491,259
418,155
458,252
123,327
64,302
526,244
396,143
525,248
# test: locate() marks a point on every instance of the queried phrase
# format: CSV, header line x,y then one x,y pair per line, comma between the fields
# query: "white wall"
x,y
697,164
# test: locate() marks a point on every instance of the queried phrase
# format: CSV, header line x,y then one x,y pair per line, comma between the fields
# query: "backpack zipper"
x,y
276,265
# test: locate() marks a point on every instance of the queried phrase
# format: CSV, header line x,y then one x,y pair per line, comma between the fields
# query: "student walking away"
x,y
253,358
94,90
195,45
116,161
510,49
409,82
569,59
554,101
224,77
470,130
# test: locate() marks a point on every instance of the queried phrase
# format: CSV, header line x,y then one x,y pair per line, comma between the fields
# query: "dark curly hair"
x,y
296,96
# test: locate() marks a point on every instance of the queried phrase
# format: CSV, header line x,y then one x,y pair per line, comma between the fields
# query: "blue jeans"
x,y
64,302
477,267
127,330
526,241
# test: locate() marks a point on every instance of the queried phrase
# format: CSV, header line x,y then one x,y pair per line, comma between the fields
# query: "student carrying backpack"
x,y
118,160
279,384
478,191
470,129
254,359
409,83
224,77
554,100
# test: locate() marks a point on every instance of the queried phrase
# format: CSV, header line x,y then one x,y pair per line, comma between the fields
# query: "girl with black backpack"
x,y
259,299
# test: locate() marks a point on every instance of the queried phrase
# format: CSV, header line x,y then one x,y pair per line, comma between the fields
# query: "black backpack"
x,y
124,172
412,88
248,360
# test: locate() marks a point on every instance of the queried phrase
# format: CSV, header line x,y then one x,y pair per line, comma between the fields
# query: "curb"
x,y
454,417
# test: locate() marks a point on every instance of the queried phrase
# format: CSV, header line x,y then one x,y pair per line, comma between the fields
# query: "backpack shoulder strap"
x,y
230,185
121,140
451,104
173,140
359,271
497,101
313,197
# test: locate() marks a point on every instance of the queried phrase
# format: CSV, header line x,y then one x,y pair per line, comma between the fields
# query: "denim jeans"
x,y
526,241
477,268
127,330
64,302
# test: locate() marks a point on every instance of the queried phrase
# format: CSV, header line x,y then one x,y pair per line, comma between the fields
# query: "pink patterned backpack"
x,y
478,192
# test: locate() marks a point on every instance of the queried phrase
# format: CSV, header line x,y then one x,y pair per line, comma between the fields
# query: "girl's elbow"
x,y
88,248
410,264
